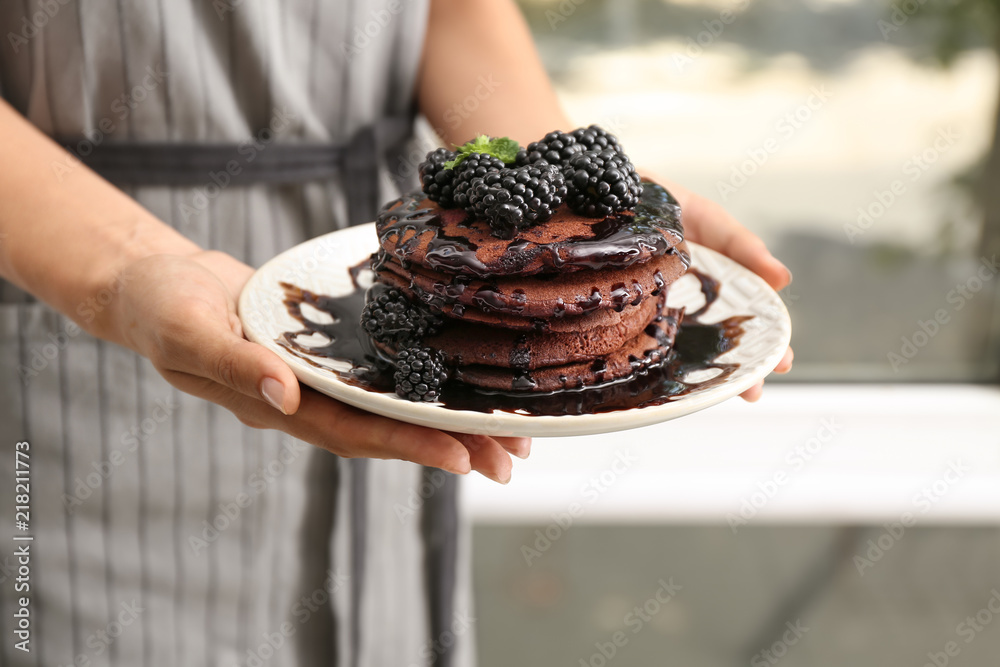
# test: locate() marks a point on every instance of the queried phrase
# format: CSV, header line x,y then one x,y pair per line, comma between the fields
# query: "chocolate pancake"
x,y
415,231
589,320
650,347
467,344
542,296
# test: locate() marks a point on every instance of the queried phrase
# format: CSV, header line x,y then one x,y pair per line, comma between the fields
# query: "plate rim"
x,y
504,423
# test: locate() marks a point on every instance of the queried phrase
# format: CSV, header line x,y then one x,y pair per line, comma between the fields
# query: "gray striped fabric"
x,y
167,533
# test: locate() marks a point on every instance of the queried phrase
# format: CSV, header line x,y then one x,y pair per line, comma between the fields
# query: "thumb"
x,y
220,354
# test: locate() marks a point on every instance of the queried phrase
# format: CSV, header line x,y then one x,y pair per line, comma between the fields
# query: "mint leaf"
x,y
480,144
503,148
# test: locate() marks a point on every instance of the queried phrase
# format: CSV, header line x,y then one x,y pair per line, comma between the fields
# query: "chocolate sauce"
x,y
347,341
560,308
709,287
409,221
487,298
659,282
593,303
654,228
696,348
619,296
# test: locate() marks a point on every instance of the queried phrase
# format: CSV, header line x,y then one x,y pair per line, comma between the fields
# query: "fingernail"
x,y
459,471
524,450
782,265
503,478
274,393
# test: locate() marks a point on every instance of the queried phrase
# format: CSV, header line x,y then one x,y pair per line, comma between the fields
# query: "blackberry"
x,y
436,181
477,165
556,148
515,199
596,138
601,183
393,319
420,374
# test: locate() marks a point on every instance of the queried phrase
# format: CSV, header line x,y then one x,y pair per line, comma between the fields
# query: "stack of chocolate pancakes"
x,y
569,303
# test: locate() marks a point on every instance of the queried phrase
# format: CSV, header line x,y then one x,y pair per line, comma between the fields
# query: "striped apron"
x,y
165,531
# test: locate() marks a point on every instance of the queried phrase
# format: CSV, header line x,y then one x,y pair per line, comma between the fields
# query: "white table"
x,y
891,443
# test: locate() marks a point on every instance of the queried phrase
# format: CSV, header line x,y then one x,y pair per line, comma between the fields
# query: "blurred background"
x,y
850,517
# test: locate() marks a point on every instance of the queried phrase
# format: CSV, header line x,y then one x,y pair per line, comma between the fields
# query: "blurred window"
x,y
856,139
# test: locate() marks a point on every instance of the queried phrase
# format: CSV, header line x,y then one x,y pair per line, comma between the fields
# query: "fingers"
x,y
253,371
488,457
785,364
717,229
204,340
747,249
180,312
709,224
519,447
351,433
753,394
337,427
348,431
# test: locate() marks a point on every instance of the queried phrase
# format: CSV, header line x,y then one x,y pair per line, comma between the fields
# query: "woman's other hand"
x,y
709,224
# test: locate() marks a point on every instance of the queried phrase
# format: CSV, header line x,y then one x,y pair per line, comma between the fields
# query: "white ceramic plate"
x,y
321,266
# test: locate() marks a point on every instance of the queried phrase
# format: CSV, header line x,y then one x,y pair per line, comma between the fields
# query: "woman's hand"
x,y
180,312
709,224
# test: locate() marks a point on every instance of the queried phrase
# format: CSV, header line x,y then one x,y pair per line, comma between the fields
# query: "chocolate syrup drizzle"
x,y
697,347
618,240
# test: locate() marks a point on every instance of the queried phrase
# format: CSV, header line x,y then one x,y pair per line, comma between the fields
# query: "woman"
x,y
166,531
